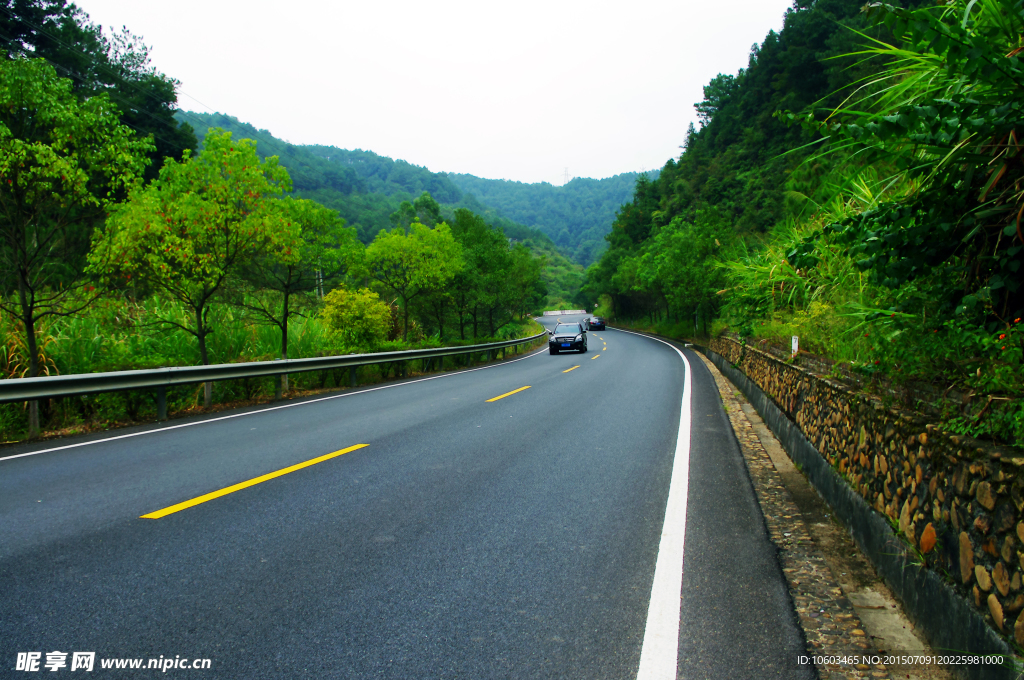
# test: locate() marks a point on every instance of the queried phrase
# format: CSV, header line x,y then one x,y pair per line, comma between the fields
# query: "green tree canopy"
x,y
61,163
192,228
413,263
312,252
96,63
360,317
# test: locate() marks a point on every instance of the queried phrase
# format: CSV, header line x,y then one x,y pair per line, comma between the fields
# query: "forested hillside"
x,y
363,187
575,216
857,185
370,192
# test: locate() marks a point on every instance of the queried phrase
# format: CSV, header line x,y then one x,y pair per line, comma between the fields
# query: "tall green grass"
x,y
118,335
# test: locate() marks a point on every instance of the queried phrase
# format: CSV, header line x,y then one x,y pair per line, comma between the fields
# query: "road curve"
x,y
470,537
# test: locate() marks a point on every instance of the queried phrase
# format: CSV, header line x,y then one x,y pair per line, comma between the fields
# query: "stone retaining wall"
x,y
924,398
957,501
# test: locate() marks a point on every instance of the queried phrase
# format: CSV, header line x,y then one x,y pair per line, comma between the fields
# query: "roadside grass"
x,y
117,336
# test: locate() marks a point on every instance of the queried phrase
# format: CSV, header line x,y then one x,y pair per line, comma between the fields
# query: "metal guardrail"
x,y
48,387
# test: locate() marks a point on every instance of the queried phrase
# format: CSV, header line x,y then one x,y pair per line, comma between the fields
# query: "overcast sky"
x,y
516,91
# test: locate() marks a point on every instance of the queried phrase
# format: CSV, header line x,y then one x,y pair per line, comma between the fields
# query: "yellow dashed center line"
x,y
596,356
508,394
570,369
244,485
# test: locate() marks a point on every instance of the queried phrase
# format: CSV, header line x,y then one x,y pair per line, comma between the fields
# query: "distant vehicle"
x,y
567,336
595,323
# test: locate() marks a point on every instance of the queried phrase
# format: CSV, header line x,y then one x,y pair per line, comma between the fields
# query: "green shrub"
x,y
359,317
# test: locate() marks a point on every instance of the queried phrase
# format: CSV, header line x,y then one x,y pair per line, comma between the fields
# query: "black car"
x,y
567,336
595,323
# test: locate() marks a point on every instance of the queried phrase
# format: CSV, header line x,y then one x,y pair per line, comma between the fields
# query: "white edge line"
x,y
265,410
660,652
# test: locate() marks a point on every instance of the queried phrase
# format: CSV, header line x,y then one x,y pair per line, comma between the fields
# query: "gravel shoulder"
x,y
844,608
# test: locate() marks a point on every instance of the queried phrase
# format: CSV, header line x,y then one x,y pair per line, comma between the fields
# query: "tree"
x,y
191,229
61,163
118,65
437,305
360,317
497,281
313,251
428,211
495,267
471,231
410,264
716,94
404,216
525,287
679,265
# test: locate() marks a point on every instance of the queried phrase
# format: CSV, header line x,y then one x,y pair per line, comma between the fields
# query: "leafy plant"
x,y
62,162
190,230
359,317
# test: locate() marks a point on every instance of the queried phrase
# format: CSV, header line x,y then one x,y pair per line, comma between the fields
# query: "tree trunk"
x,y
33,372
203,355
439,309
28,318
405,319
282,380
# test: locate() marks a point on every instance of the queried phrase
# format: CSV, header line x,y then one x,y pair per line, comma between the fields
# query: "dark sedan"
x,y
595,323
568,336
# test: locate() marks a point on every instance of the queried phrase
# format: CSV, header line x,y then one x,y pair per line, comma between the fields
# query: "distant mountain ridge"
x,y
366,189
575,216
314,167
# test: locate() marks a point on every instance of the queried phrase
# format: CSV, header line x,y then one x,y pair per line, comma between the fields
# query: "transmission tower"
x,y
565,177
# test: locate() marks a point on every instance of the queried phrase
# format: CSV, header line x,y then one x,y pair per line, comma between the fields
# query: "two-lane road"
x,y
469,537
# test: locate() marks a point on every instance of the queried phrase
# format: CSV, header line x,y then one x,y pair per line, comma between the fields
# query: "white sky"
x,y
516,91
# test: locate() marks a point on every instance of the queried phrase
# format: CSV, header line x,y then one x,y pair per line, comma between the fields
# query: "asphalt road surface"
x,y
469,537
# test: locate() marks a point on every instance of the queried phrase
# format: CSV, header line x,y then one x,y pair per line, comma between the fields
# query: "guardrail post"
x,y
352,376
161,403
278,387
